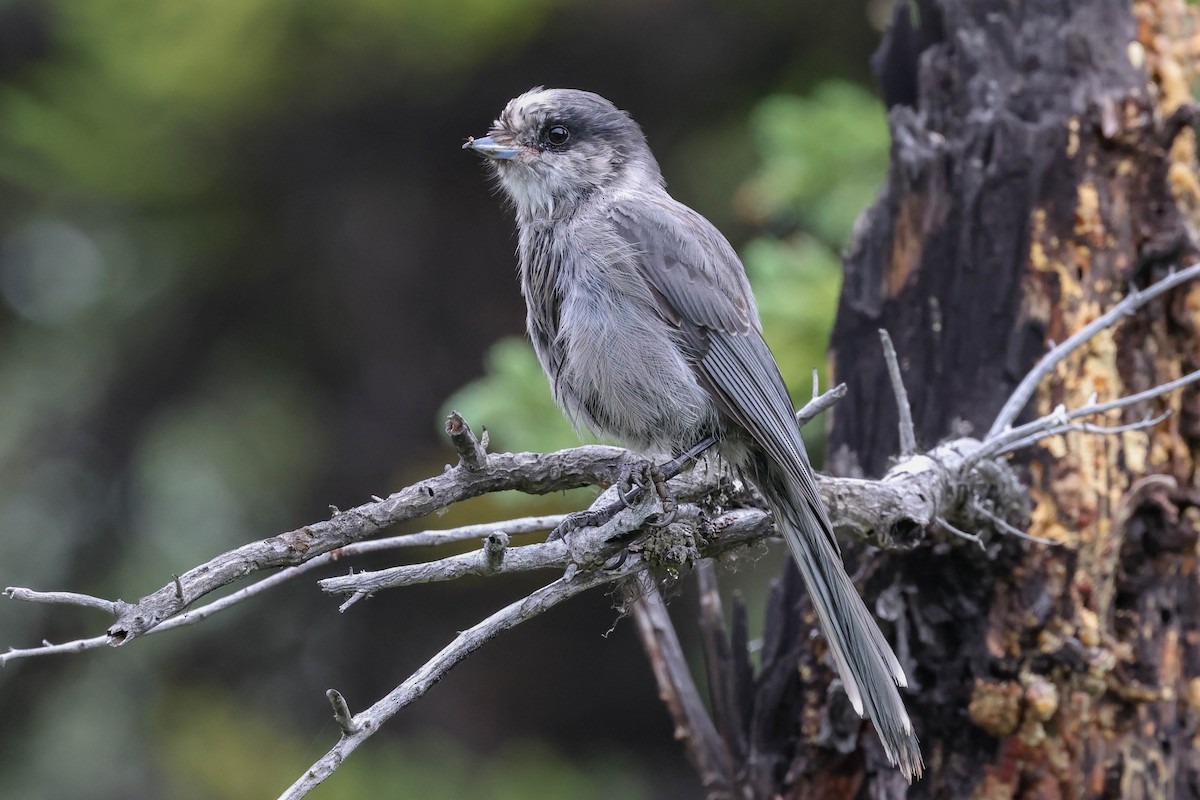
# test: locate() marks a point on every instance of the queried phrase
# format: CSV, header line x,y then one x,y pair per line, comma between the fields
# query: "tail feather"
x,y
869,669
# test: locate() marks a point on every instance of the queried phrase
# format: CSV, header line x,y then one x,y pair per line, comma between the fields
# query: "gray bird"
x,y
642,317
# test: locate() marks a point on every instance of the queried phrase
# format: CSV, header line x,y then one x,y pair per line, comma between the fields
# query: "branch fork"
x,y
952,483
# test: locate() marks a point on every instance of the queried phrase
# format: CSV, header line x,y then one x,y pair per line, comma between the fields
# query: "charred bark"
x,y
1042,164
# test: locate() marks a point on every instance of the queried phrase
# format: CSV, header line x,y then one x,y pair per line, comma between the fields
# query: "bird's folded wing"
x,y
701,287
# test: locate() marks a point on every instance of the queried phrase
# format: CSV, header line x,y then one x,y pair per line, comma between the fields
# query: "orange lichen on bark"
x,y
1082,254
908,242
996,706
1168,35
1089,226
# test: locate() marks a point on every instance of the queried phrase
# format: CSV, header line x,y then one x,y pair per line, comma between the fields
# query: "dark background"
x,y
243,266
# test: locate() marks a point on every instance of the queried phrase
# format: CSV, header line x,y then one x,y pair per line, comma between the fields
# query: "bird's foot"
x,y
637,475
578,520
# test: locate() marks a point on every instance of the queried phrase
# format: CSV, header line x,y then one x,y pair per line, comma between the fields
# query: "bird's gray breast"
x,y
541,257
616,365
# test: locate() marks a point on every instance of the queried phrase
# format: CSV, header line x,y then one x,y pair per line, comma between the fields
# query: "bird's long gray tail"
x,y
869,669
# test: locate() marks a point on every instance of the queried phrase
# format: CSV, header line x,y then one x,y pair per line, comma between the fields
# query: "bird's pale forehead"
x,y
525,110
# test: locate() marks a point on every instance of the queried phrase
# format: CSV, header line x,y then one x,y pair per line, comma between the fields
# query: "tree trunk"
x,y
1042,164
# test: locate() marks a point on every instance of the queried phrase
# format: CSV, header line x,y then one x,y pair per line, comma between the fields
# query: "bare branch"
x,y
367,722
819,403
589,547
1134,399
421,539
48,649
676,689
471,454
1028,385
1083,427
113,607
908,436
960,533
341,711
1011,529
1060,418
528,472
476,562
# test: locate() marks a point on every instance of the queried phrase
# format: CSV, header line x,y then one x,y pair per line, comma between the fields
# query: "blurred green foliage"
x,y
143,86
162,400
822,158
257,760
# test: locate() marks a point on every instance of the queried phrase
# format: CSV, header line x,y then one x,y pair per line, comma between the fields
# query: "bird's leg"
x,y
661,474
657,476
677,464
634,468
628,490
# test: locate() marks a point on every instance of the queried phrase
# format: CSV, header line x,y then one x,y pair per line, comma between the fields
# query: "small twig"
x,y
1028,385
820,404
494,545
970,537
1083,427
1134,399
369,721
908,436
341,712
351,600
471,454
476,562
1001,442
1012,529
48,649
114,607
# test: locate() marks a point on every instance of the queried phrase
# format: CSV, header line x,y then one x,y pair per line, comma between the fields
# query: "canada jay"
x,y
642,318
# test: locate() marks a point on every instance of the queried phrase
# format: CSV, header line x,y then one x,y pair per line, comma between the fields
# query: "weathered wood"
x,y
1042,163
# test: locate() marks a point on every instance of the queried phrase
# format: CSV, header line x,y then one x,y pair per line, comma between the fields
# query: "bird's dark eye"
x,y
557,135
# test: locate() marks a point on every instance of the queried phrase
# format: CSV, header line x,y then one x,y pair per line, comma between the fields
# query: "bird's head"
x,y
553,148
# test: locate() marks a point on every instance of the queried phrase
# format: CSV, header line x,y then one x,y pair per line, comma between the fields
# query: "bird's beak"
x,y
487,146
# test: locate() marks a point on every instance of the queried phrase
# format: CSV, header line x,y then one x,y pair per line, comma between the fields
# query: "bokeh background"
x,y
244,271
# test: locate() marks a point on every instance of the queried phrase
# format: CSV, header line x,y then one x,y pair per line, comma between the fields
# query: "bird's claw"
x,y
627,488
573,522
639,475
617,561
664,519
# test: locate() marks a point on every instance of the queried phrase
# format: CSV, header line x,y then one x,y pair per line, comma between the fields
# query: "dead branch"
x,y
944,487
693,727
1131,303
365,723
